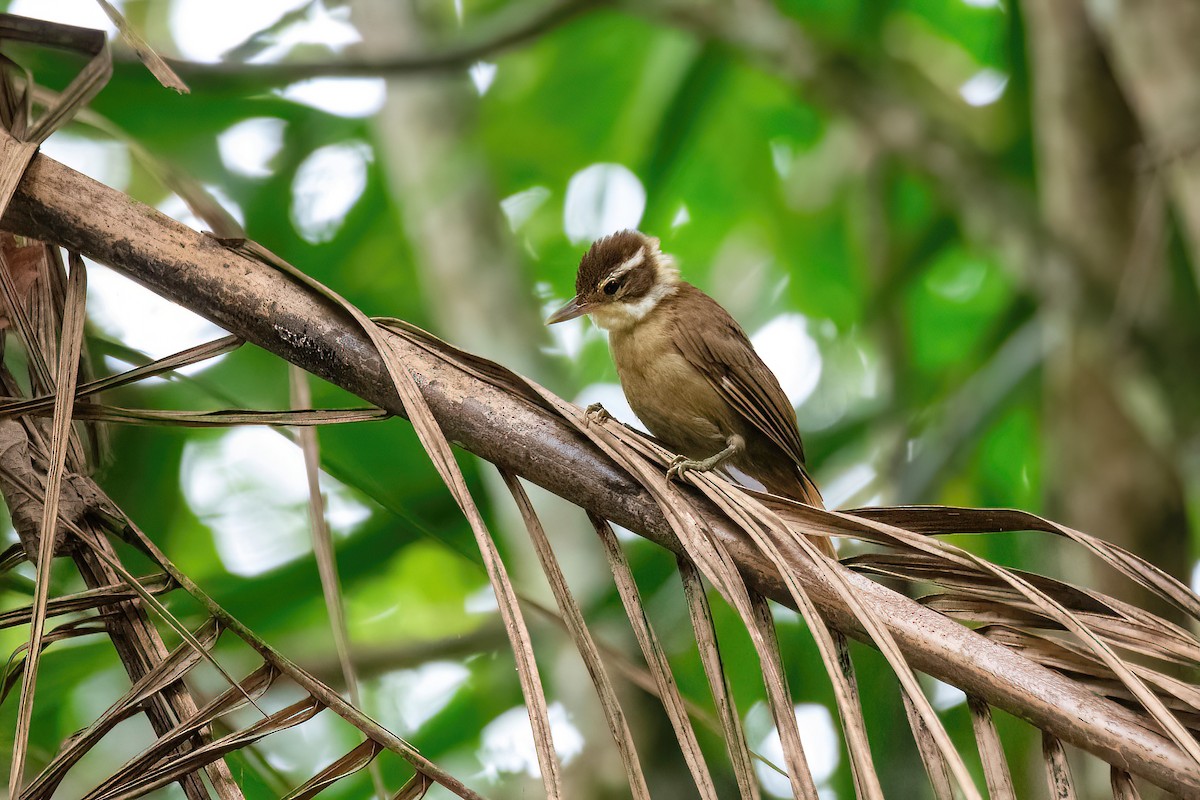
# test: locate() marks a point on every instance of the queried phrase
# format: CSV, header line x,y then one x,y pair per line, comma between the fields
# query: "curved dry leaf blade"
x,y
991,751
656,659
952,519
854,726
305,418
714,670
85,600
171,769
14,668
572,617
72,342
477,366
352,762
255,685
438,448
16,107
1153,641
15,156
1076,660
192,355
12,556
323,551
1122,785
416,788
145,53
1058,771
935,766
1108,616
780,700
83,87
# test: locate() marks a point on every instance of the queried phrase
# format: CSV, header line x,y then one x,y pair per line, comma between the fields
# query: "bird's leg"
x,y
682,464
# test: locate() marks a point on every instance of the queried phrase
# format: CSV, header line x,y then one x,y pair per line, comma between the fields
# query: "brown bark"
x,y
268,308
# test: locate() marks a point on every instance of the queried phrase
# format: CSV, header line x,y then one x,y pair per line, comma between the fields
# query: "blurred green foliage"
x,y
789,210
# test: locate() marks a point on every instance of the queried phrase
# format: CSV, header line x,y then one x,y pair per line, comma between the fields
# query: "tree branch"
x,y
512,31
994,209
266,307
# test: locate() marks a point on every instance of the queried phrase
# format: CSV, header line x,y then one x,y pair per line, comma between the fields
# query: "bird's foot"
x,y
597,413
683,464
680,465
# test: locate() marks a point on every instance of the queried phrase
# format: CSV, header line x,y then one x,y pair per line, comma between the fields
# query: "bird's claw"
x,y
679,466
597,413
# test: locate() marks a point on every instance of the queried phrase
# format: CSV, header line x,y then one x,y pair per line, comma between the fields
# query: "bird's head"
x,y
621,279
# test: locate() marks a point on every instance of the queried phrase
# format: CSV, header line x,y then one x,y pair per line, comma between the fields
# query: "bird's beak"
x,y
574,308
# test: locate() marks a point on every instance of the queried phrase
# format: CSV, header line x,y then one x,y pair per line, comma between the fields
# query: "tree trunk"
x,y
1105,474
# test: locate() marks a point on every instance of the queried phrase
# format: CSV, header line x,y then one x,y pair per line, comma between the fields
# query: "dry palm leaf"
x,y
331,587
439,449
358,758
710,655
145,53
572,617
72,340
87,600
166,672
656,659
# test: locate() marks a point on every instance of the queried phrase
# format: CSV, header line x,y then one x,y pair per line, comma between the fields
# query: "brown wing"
x,y
721,351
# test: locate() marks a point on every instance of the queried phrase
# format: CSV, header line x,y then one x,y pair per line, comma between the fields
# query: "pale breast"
x,y
673,400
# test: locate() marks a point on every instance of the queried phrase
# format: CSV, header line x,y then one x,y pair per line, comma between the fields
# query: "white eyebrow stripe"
x,y
633,261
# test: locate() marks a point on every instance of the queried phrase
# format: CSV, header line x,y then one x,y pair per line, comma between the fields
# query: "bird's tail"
x,y
800,486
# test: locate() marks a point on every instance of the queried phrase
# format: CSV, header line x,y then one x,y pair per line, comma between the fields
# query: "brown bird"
x,y
687,368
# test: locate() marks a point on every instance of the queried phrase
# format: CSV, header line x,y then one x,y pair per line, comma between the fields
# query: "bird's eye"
x,y
611,287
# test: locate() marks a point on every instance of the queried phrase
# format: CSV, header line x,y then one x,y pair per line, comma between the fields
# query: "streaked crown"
x,y
617,257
